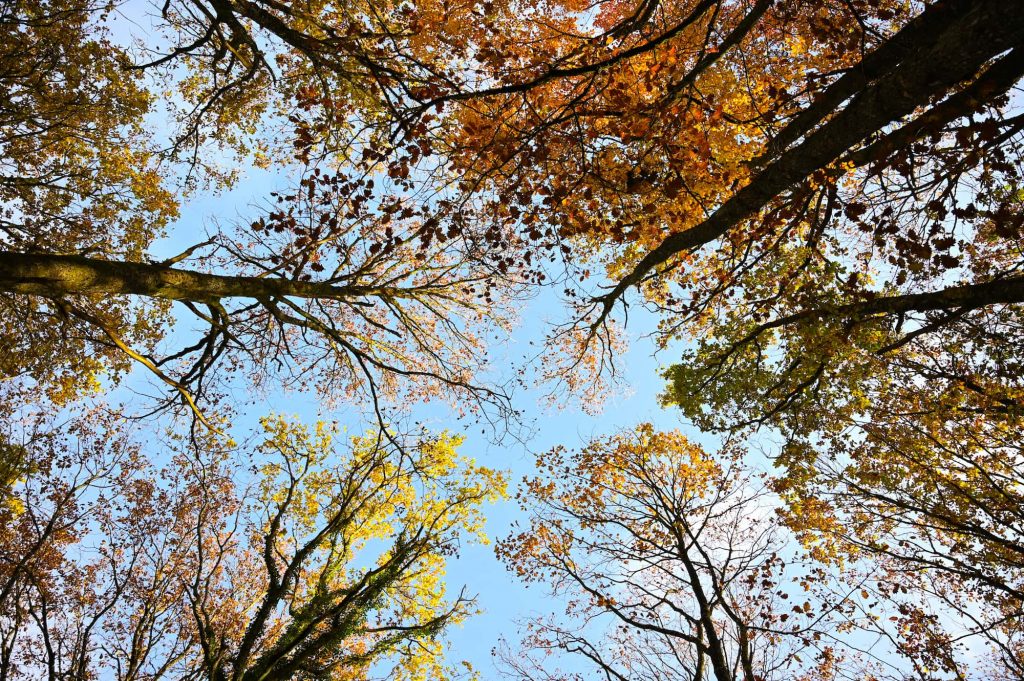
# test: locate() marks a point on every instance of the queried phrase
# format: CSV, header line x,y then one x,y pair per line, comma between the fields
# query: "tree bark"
x,y
54,276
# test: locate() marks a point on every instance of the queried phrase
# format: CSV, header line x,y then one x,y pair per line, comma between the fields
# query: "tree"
x,y
893,159
676,564
328,565
351,281
57,480
673,567
79,174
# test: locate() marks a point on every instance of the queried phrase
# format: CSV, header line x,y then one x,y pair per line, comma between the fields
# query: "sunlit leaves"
x,y
328,560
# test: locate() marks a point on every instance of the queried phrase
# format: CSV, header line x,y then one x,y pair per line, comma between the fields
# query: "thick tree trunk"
x,y
968,296
961,298
982,30
58,275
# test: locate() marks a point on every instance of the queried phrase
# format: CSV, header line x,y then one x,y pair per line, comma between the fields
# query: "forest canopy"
x,y
814,209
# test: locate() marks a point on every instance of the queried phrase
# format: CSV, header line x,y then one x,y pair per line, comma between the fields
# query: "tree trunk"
x,y
54,276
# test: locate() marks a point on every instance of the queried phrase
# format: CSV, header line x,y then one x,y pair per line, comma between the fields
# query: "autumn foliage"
x,y
326,561
819,205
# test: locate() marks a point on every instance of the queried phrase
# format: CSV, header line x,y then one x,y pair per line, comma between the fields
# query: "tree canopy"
x,y
819,203
327,563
